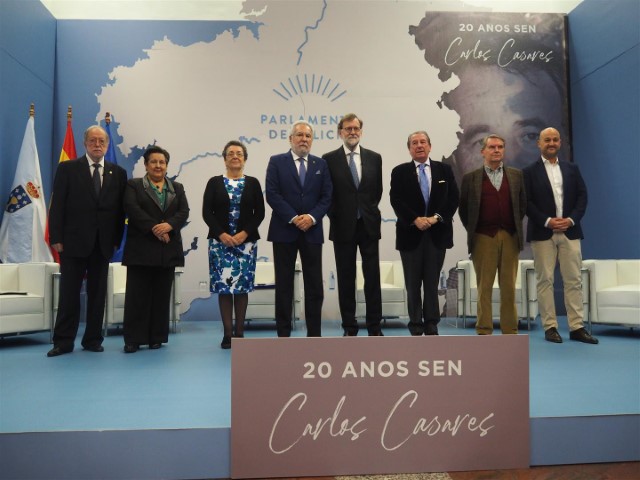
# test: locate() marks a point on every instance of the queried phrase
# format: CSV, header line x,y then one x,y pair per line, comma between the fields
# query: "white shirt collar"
x,y
355,150
91,162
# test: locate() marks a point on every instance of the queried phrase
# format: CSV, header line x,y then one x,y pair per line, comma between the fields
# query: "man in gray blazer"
x,y
356,175
556,201
492,205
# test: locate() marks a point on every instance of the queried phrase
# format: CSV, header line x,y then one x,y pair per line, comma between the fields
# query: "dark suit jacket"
x,y
141,204
471,193
348,200
288,198
408,204
216,205
78,217
541,205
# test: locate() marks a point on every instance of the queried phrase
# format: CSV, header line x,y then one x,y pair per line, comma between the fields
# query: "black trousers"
x,y
345,253
284,257
146,304
72,273
422,267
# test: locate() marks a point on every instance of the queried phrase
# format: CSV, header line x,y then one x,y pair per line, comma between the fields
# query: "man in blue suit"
x,y
556,201
298,189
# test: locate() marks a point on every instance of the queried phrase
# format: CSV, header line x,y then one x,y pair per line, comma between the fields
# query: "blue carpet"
x,y
186,384
165,413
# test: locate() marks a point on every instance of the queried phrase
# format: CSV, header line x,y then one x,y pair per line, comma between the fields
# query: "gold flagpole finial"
x,y
107,118
69,113
32,110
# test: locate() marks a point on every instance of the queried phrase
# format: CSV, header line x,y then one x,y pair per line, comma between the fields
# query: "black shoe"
x,y
350,333
581,335
226,342
94,348
154,346
57,351
431,328
376,334
552,335
130,348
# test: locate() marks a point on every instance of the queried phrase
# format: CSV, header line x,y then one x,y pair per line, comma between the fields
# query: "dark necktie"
x,y
354,170
302,171
354,174
96,178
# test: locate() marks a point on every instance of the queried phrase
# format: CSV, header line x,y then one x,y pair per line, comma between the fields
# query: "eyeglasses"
x,y
162,163
235,154
351,129
96,141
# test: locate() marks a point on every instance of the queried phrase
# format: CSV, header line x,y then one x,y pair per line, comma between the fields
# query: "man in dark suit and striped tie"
x,y
356,175
424,196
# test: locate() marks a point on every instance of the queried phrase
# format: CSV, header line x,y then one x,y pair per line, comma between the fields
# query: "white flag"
x,y
23,223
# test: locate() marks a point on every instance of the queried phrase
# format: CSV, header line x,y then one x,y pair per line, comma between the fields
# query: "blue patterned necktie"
x,y
96,178
302,171
424,185
354,174
354,170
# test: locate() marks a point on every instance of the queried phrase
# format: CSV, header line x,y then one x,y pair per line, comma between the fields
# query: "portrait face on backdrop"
x,y
491,100
512,80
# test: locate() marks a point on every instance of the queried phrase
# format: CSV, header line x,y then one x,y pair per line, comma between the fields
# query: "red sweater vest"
x,y
496,210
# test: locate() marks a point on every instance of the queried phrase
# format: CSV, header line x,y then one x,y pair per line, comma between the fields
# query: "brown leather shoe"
x,y
581,335
552,335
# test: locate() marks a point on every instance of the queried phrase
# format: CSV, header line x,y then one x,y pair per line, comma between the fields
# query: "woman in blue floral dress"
x,y
233,208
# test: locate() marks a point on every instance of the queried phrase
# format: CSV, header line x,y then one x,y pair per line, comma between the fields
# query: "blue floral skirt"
x,y
232,269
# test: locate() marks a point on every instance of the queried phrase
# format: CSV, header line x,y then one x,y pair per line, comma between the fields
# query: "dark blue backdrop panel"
x,y
27,62
604,44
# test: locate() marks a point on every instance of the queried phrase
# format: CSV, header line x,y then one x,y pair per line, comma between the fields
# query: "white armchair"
x,y
262,301
394,295
27,297
526,294
116,289
614,292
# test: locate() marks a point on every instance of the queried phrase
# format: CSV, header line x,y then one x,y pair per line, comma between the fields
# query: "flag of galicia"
x,y
19,198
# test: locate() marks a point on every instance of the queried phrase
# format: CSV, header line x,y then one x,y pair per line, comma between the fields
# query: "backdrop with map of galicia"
x,y
192,86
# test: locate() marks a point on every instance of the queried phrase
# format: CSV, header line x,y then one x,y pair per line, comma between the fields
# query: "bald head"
x,y
549,144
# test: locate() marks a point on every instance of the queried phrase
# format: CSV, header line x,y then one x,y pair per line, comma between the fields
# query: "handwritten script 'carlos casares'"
x,y
392,436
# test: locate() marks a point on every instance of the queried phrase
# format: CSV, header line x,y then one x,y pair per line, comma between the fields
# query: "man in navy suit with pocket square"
x,y
86,221
424,196
298,189
356,175
556,202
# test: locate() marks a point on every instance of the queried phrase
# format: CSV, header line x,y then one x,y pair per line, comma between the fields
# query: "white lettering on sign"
x,y
336,428
430,427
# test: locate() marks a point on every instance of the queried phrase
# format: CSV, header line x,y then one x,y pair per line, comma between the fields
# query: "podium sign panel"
x,y
375,405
